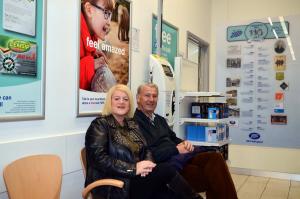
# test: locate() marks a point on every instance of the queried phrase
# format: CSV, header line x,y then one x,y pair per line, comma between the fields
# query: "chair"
x,y
34,177
103,182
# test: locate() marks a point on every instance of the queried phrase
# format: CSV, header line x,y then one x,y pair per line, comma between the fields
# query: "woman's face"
x,y
120,103
99,23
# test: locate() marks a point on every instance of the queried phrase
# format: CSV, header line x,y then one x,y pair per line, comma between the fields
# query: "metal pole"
x,y
158,34
159,26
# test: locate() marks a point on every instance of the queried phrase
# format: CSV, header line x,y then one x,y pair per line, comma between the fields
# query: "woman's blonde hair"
x,y
119,87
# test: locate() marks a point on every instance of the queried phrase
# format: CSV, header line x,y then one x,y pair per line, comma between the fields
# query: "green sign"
x,y
169,38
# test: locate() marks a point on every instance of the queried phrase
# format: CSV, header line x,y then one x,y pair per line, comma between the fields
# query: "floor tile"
x,y
253,188
294,192
276,189
295,183
238,180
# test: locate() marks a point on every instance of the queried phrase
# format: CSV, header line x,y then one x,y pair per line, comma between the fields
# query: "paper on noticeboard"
x,y
20,16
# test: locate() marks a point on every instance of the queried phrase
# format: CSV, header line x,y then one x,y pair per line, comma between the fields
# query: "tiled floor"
x,y
253,187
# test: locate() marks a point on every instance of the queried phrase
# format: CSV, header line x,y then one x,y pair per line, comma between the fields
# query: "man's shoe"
x,y
182,189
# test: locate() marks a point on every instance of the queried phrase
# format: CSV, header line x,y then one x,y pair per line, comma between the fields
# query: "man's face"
x,y
147,100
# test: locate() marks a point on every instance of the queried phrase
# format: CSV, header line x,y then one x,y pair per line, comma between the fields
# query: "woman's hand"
x,y
144,167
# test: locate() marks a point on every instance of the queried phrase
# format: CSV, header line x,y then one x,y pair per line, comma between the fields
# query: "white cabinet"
x,y
185,96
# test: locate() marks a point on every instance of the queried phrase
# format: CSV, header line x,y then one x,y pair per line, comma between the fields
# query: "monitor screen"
x,y
167,70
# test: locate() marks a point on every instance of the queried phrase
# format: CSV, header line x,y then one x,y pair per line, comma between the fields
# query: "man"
x,y
205,171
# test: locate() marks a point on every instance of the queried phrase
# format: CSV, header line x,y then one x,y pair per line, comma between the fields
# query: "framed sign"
x,y
169,40
104,47
22,59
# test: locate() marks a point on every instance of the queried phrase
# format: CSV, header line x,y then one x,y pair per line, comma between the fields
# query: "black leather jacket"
x,y
112,152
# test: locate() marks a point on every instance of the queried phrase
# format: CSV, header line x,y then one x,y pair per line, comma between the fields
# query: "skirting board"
x,y
270,174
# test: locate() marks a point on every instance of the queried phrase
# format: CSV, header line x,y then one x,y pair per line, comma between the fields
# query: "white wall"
x,y
61,132
232,11
189,15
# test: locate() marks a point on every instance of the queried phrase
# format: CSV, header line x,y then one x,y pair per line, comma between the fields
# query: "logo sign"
x,y
19,45
255,31
254,136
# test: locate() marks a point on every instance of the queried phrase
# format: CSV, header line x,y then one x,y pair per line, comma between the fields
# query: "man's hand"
x,y
185,147
144,167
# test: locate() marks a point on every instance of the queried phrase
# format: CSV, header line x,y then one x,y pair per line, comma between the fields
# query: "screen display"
x,y
167,70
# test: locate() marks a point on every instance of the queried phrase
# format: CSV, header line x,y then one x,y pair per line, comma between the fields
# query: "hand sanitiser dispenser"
x,y
162,74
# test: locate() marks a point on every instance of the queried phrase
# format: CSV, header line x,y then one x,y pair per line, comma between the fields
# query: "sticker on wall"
x,y
284,86
233,82
279,46
233,123
279,108
232,92
279,119
234,63
234,50
231,101
135,39
279,96
279,76
280,62
234,112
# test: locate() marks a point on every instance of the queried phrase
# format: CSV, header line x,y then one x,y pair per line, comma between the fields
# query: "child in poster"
x,y
104,55
95,25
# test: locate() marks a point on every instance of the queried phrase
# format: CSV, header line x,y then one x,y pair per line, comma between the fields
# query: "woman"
x,y
116,149
95,25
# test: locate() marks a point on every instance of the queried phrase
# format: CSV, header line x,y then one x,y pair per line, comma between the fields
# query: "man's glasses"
x,y
107,13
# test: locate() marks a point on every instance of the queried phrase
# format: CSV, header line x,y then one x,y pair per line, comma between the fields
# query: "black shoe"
x,y
182,189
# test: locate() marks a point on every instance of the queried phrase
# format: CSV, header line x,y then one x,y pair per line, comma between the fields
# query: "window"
x,y
197,51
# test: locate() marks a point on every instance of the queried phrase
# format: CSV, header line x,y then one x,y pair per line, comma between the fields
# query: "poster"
x,y
22,59
260,75
104,45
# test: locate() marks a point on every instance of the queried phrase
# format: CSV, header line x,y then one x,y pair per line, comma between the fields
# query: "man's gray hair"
x,y
152,85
